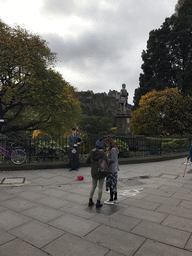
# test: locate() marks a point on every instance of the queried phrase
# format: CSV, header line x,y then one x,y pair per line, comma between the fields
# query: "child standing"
x,y
111,180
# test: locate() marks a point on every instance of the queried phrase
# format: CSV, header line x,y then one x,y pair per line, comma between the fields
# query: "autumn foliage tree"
x,y
164,112
32,95
167,61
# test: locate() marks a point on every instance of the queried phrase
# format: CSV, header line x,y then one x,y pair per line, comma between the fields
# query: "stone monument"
x,y
124,114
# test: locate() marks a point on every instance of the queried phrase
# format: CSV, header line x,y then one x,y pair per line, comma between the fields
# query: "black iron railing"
x,y
55,148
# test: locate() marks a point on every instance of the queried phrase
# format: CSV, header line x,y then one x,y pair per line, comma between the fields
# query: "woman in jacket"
x,y
93,158
111,180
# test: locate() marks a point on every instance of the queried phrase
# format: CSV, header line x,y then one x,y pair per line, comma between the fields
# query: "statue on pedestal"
x,y
123,100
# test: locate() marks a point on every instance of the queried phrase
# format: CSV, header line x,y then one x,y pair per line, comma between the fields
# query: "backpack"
x,y
103,167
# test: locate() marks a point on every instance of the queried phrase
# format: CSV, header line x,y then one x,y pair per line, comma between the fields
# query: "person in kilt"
x,y
74,142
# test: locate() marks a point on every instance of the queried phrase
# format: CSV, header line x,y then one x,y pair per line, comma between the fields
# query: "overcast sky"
x,y
98,42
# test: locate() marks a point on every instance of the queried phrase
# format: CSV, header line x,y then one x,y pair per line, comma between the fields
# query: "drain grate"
x,y
13,181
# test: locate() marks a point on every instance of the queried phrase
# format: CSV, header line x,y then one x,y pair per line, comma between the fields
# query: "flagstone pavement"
x,y
45,212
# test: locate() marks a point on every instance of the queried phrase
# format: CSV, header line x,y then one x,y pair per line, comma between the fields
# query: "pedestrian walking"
x,y
97,178
111,180
74,141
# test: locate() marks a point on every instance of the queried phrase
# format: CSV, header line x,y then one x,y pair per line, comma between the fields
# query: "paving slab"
x,y
174,189
141,203
186,204
189,245
18,204
53,202
144,214
10,219
178,223
4,196
2,209
117,221
74,224
42,213
162,234
62,180
55,192
154,248
76,198
163,200
30,195
167,176
117,240
78,210
113,253
175,210
5,237
158,192
183,196
41,181
20,248
68,245
37,233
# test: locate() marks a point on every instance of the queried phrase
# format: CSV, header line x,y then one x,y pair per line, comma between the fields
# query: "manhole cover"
x,y
13,181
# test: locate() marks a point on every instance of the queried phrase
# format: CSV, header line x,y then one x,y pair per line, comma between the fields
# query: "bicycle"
x,y
16,155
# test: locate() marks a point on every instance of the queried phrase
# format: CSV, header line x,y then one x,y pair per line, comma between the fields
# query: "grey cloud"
x,y
89,47
70,7
107,46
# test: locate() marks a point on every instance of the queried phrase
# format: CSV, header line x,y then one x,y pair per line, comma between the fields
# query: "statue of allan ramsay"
x,y
123,100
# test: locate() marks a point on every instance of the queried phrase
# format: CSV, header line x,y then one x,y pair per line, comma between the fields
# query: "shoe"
x,y
108,202
90,202
98,204
115,201
70,170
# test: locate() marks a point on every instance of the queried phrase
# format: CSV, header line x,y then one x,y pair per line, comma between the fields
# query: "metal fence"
x,y
45,148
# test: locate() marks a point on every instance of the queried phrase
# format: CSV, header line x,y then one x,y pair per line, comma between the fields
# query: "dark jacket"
x,y
93,158
73,140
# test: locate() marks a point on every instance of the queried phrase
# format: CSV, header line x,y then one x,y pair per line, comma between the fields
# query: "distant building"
x,y
115,94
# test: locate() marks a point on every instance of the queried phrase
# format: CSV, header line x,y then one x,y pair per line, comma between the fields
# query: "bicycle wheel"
x,y
18,156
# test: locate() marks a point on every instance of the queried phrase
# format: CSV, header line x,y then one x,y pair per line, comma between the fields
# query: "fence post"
x,y
30,141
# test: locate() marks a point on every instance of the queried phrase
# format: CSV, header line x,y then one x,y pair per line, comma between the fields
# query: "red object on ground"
x,y
80,177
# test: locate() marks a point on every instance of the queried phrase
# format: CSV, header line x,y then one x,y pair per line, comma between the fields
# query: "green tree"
x,y
162,113
95,125
167,62
32,95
